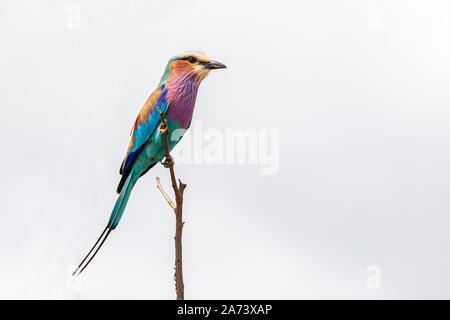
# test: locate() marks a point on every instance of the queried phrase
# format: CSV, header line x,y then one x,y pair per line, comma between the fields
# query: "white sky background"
x,y
359,91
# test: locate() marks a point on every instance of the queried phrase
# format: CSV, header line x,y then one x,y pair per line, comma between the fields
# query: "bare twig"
x,y
165,195
177,208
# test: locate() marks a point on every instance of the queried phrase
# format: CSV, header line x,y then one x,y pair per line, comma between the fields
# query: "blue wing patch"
x,y
144,131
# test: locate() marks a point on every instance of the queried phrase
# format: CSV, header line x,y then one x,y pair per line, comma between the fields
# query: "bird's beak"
x,y
214,65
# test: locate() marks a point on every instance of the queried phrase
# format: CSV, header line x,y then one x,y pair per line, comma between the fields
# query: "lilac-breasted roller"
x,y
175,96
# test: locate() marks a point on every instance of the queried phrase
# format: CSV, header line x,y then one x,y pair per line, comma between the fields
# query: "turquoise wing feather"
x,y
146,123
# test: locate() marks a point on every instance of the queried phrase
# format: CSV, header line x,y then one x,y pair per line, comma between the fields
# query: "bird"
x,y
175,97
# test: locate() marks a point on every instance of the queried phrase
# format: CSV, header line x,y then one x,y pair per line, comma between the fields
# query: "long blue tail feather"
x,y
121,202
114,219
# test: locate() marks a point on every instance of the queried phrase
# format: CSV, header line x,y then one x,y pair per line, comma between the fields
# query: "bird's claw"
x,y
168,162
163,128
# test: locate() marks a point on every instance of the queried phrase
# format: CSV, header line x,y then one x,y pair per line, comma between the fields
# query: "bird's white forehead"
x,y
199,55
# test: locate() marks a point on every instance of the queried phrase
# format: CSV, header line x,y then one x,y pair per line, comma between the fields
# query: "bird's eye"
x,y
192,60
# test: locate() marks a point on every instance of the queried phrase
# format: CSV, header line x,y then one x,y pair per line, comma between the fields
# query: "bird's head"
x,y
195,64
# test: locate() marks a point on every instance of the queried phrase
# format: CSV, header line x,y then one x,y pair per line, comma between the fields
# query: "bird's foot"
x,y
163,127
168,162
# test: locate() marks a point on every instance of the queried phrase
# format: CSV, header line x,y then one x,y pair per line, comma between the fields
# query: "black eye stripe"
x,y
194,60
189,59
